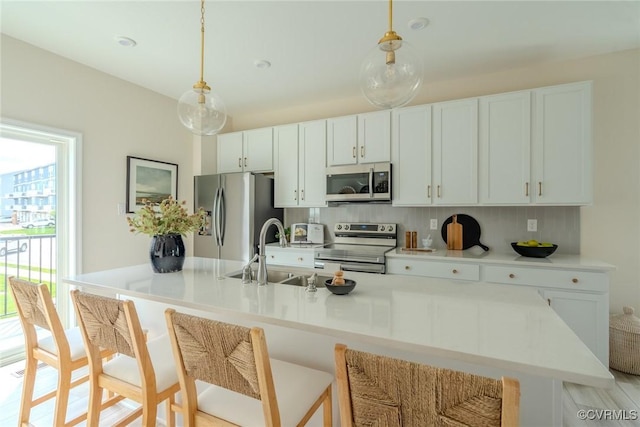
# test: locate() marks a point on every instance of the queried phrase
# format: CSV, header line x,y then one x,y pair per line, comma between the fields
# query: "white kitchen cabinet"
x,y
361,138
505,149
587,314
455,152
289,256
411,156
442,269
299,170
246,151
374,137
230,152
580,298
562,146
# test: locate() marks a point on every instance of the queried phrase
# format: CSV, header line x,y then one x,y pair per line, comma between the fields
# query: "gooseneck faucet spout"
x,y
262,264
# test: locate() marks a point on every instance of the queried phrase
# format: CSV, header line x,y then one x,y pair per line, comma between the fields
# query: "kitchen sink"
x,y
300,281
284,277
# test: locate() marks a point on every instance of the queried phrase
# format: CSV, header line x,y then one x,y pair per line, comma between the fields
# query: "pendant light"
x,y
200,110
391,74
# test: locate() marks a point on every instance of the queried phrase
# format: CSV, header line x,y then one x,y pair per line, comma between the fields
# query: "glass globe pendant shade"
x,y
391,74
202,111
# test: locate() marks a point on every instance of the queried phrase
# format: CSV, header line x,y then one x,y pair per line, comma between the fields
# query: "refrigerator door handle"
x,y
216,218
222,207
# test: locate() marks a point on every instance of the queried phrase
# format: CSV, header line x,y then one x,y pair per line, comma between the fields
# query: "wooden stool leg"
x,y
327,410
149,412
62,396
171,416
95,403
31,366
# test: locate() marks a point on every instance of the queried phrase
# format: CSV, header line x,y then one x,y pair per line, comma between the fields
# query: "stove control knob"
x,y
382,228
346,226
391,228
339,227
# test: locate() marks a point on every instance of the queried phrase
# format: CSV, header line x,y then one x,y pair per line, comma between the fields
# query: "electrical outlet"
x,y
434,224
532,225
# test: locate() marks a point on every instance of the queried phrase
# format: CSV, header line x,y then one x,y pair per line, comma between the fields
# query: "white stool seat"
x,y
297,388
76,346
125,368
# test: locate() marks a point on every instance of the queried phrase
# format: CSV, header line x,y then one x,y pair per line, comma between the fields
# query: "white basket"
x,y
624,342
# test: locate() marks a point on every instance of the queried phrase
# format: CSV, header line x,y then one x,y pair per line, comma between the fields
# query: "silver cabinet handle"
x,y
429,191
295,194
539,188
439,192
526,189
245,162
239,162
362,151
302,194
353,152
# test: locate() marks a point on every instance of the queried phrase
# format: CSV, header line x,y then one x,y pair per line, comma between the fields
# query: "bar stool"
x,y
142,371
379,390
248,388
62,350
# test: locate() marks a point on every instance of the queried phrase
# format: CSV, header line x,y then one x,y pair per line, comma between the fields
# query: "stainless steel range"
x,y
357,247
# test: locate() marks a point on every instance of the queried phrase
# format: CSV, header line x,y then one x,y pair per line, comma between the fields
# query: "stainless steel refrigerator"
x,y
237,206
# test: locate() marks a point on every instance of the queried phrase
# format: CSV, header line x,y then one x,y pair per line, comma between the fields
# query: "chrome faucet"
x,y
246,270
262,264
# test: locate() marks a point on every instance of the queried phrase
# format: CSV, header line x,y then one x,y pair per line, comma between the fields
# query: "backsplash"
x,y
499,225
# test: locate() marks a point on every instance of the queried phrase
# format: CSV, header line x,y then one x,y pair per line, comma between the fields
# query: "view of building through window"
x,y
27,225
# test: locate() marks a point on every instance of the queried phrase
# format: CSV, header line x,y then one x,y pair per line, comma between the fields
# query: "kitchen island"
x,y
489,329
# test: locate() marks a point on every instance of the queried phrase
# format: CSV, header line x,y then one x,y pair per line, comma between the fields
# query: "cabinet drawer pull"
x,y
454,271
574,280
549,301
362,151
295,194
300,259
438,191
239,162
302,194
428,191
272,256
512,276
245,162
407,267
539,188
526,189
353,152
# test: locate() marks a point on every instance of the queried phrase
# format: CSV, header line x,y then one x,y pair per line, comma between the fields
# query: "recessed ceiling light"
x,y
125,41
418,23
262,64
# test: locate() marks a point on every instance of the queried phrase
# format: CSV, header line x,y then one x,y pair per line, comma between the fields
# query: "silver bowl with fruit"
x,y
534,249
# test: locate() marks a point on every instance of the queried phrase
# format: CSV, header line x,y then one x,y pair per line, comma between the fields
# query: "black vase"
x,y
167,253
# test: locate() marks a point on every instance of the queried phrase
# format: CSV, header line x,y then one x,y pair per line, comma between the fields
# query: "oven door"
x,y
359,183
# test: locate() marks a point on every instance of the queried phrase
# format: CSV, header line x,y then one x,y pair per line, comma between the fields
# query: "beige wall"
x,y
116,119
610,228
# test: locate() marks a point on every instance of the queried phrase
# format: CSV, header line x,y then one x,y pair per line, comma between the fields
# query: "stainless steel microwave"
x,y
364,183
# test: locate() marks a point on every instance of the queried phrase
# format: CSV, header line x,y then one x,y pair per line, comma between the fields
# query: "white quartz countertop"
x,y
478,255
486,324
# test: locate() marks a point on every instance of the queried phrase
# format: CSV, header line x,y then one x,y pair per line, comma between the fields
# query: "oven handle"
x,y
363,268
371,183
350,259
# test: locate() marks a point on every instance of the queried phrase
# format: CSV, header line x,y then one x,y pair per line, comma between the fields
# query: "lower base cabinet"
x,y
579,297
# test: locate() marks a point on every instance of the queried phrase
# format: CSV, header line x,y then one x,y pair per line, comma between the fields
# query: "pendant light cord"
x,y
390,15
202,40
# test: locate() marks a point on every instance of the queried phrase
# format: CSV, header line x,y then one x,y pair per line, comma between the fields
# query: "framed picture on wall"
x,y
151,180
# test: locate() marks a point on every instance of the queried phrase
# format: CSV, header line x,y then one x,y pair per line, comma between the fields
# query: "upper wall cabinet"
x,y
455,152
562,147
247,151
299,151
362,138
411,156
505,147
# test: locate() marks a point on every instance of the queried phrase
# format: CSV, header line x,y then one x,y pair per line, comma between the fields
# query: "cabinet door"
x,y
286,166
258,150
411,156
587,315
505,148
230,152
312,155
562,145
342,138
455,152
374,137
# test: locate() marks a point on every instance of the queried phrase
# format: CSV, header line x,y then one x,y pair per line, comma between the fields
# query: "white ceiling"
x,y
315,47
